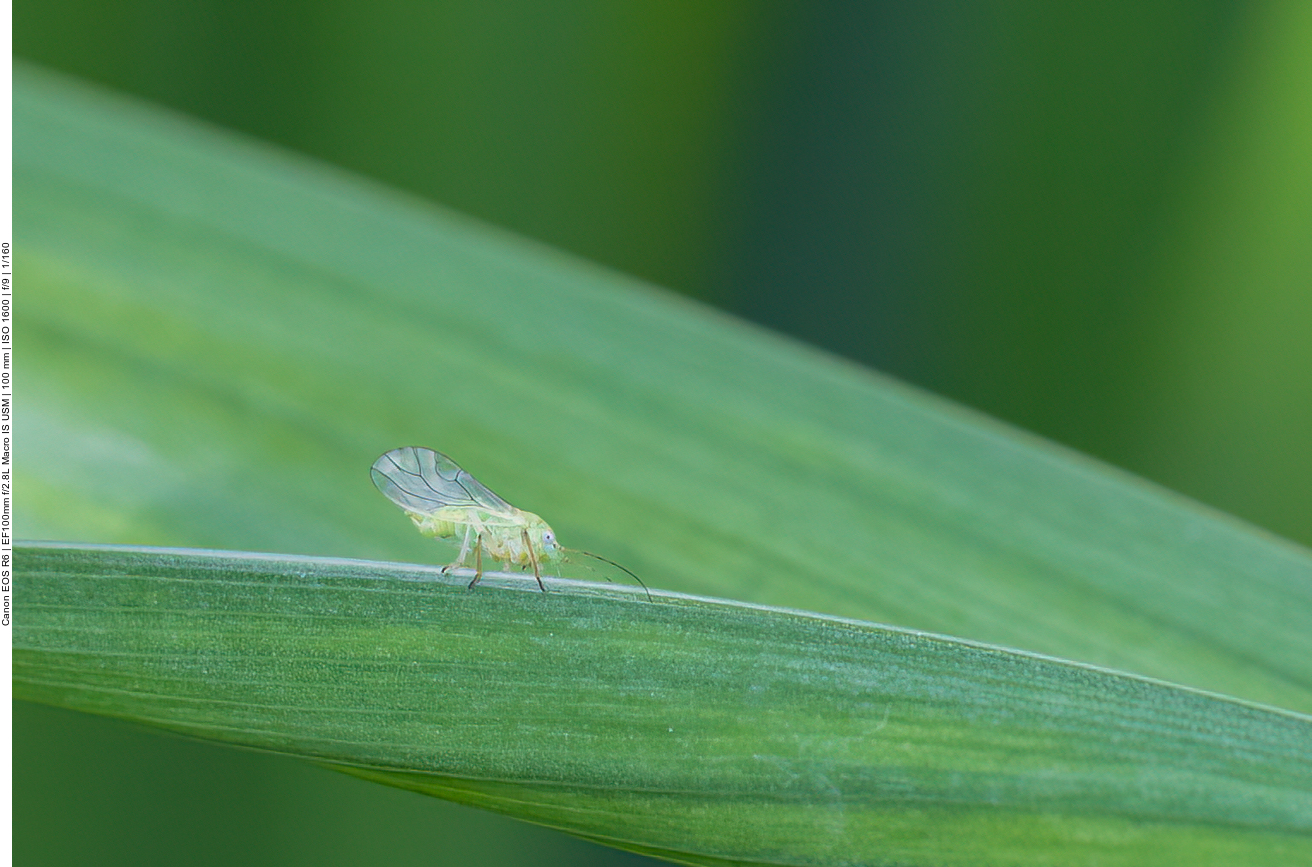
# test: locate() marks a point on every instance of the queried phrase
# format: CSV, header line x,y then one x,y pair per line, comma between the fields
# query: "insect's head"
x,y
544,539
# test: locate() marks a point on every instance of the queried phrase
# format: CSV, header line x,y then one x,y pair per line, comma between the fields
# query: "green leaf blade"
x,y
218,339
267,328
702,730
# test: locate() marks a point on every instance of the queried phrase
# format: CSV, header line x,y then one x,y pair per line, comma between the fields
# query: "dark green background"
x,y
1094,220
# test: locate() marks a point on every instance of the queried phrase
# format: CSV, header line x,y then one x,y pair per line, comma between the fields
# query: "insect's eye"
x,y
549,539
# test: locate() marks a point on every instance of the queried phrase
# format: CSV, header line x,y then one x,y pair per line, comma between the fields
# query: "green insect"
x,y
446,502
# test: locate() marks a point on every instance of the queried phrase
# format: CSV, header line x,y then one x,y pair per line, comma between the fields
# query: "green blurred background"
x,y
1092,220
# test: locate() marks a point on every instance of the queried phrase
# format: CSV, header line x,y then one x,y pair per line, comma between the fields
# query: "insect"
x,y
446,502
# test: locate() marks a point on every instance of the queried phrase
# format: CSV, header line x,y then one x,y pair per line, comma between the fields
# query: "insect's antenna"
x,y
617,566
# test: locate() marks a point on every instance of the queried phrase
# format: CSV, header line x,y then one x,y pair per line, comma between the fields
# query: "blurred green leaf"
x,y
703,730
219,338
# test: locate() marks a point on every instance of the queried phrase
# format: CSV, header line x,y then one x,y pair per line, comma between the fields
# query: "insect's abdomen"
x,y
436,525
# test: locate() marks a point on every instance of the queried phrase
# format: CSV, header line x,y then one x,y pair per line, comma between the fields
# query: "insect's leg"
x,y
480,530
464,551
533,558
464,545
478,561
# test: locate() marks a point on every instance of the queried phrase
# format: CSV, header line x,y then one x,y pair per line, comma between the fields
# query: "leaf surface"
x,y
698,729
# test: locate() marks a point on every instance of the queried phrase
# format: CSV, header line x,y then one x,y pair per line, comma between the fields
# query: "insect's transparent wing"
x,y
422,481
